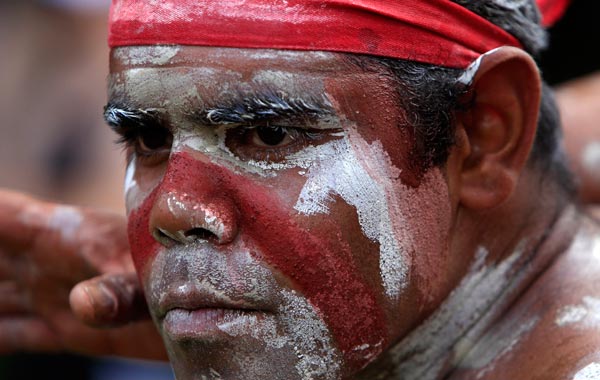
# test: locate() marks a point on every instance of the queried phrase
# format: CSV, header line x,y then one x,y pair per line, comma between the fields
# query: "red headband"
x,y
552,10
438,32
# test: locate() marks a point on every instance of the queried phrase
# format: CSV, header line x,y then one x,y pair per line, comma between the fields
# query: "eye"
x,y
271,136
271,143
152,145
153,139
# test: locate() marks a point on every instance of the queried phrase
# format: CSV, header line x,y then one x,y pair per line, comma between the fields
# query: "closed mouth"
x,y
194,298
182,324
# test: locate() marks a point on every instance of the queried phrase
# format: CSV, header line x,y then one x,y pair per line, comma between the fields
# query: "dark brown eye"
x,y
154,139
271,136
272,143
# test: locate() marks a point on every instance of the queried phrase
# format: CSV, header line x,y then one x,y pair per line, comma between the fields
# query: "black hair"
x,y
431,95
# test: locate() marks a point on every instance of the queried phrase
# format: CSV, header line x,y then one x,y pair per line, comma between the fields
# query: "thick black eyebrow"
x,y
266,106
122,118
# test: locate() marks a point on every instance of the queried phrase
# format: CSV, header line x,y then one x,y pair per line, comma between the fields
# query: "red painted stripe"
x,y
318,262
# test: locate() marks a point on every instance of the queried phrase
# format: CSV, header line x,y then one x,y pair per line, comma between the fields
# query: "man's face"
x,y
274,220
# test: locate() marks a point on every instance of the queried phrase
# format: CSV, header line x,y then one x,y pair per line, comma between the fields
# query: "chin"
x,y
249,351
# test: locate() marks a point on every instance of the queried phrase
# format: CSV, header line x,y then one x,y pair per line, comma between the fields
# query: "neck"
x,y
500,272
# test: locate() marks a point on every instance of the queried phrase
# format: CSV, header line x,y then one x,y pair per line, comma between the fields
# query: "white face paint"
x,y
202,215
130,187
305,331
458,323
338,172
292,330
134,194
334,169
590,372
147,55
323,188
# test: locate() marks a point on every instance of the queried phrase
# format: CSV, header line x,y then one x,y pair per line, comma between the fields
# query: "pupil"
x,y
154,138
271,135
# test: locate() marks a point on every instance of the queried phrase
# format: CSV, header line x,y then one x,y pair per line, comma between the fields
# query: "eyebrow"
x,y
242,109
265,106
122,118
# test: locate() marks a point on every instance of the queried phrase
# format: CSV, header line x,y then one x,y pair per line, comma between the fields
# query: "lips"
x,y
189,311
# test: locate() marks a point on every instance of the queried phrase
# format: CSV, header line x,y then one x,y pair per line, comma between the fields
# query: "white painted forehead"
x,y
163,54
146,55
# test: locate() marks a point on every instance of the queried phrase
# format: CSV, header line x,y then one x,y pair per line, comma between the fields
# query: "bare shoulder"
x,y
553,331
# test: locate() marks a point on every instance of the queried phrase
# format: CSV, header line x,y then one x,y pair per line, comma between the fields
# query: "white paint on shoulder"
x,y
590,372
584,315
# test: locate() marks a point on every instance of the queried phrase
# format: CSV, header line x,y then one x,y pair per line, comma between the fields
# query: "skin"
x,y
45,250
168,198
487,197
190,233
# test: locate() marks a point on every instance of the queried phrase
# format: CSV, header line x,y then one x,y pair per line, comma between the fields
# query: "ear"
x,y
499,128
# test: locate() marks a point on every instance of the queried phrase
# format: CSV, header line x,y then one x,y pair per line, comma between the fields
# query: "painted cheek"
x,y
377,113
318,262
142,244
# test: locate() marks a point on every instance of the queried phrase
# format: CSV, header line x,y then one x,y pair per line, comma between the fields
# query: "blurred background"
x,y
52,76
54,144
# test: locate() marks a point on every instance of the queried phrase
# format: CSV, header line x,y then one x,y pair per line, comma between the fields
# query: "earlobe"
x,y
499,127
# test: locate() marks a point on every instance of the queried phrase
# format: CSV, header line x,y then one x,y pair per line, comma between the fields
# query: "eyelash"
x,y
238,140
130,140
293,132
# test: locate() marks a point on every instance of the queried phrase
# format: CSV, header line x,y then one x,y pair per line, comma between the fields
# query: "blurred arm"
x,y
45,250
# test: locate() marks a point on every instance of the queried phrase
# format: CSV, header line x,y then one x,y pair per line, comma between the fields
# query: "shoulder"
x,y
553,331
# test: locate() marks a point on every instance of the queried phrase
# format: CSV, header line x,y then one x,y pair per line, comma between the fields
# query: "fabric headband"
x,y
438,32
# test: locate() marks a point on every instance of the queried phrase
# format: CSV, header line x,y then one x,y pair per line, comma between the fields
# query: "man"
x,y
376,201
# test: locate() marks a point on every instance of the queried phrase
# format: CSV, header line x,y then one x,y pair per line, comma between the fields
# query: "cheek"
x,y
320,264
142,244
314,257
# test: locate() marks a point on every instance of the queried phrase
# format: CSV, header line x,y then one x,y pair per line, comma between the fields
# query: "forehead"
x,y
148,73
242,60
180,82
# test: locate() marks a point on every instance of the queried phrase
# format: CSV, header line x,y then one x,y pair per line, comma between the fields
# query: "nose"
x,y
189,209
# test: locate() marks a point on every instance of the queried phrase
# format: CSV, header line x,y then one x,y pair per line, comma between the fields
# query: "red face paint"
x,y
317,261
142,244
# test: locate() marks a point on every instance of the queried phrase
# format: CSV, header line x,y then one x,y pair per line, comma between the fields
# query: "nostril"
x,y
200,234
169,239
163,237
